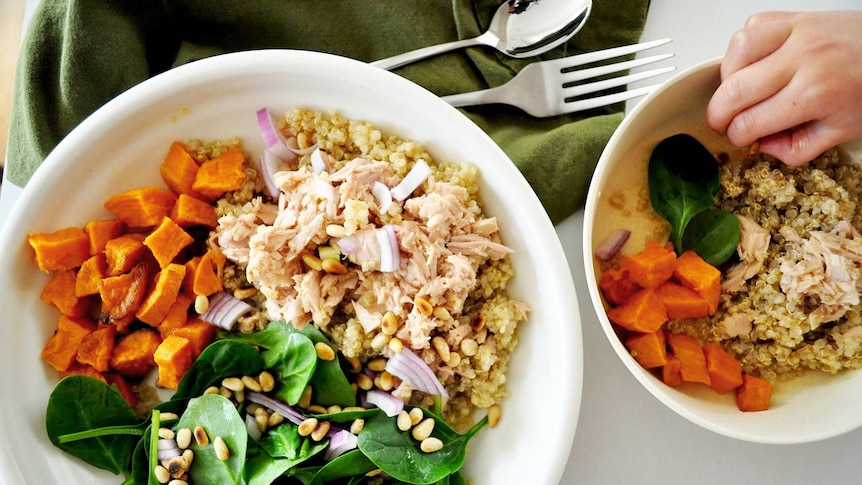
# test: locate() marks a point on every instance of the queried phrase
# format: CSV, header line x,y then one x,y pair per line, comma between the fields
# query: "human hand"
x,y
793,81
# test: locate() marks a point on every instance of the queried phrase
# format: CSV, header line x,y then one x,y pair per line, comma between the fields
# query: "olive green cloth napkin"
x,y
78,54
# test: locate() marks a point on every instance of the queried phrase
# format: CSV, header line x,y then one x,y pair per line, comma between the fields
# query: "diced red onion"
x,y
318,164
168,449
413,370
414,178
388,403
288,412
224,310
347,244
269,165
612,244
251,427
390,255
272,136
383,195
294,147
340,443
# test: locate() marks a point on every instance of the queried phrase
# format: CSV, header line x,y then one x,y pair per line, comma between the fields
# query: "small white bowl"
x,y
120,147
813,407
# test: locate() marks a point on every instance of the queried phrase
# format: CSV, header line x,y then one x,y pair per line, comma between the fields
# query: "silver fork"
x,y
546,88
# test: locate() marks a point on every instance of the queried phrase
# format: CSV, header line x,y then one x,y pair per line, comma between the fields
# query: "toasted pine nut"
x,y
225,392
403,421
312,261
374,473
176,466
320,432
162,474
379,341
262,422
251,383
423,306
423,429
334,409
239,396
202,304
233,383
416,415
324,352
454,360
170,416
494,413
396,345
355,364
221,450
430,445
377,365
442,314
332,266
469,347
166,434
357,426
307,427
389,323
442,348
200,436
275,419
385,381
335,230
178,481
184,438
364,382
479,322
189,457
305,398
243,293
211,390
266,380
316,409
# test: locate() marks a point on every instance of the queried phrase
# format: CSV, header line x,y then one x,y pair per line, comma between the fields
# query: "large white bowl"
x,y
119,148
813,407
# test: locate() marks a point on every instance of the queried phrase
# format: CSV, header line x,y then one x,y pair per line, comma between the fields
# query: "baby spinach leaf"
x,y
218,417
398,454
683,181
713,234
330,385
344,466
81,403
284,449
220,359
275,332
293,360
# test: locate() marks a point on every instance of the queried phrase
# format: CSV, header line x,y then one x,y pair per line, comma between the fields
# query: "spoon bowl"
x,y
517,33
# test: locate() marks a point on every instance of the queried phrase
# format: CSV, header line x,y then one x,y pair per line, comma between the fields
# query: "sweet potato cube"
x,y
223,173
100,232
690,354
695,273
670,373
754,394
122,253
190,211
89,274
133,354
83,370
60,250
60,292
198,332
648,349
166,241
163,294
682,302
96,348
616,286
189,280
62,348
725,372
178,314
178,169
142,208
123,386
643,312
122,296
651,267
174,357
208,273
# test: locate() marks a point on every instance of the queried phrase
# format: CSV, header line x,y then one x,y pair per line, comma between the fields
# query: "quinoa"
x,y
783,342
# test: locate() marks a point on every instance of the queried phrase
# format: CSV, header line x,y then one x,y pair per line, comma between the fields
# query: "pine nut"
x,y
178,481
454,360
469,347
335,230
200,436
353,409
267,381
364,382
479,323
251,383
307,427
377,365
211,390
184,438
168,417
316,409
403,421
233,383
225,392
416,415
334,409
423,306
389,324
442,348
442,313
320,432
430,445
324,352
423,430
305,398
302,140
162,474
166,434
355,364
262,422
357,426
379,341
494,414
385,381
221,450
239,396
275,419
374,473
332,266
312,261
202,304
396,345
189,457
177,466
243,293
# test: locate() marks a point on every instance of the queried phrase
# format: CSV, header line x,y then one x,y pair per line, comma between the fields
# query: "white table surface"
x,y
625,435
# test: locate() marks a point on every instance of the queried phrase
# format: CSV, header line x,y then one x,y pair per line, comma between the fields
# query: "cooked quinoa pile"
x,y
448,300
790,302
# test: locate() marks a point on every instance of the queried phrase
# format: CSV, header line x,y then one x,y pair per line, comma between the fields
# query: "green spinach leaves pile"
x,y
90,420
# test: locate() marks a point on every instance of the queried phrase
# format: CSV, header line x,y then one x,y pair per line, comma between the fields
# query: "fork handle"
x,y
473,98
390,63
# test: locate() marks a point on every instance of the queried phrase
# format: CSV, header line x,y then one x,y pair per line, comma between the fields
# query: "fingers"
x,y
761,37
801,144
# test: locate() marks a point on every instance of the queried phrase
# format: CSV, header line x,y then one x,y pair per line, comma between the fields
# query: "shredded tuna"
x,y
736,324
753,248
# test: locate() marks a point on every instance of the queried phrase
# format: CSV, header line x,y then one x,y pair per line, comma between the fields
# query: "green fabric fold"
x,y
79,54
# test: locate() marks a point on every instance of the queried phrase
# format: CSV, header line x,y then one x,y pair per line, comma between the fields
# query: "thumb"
x,y
799,145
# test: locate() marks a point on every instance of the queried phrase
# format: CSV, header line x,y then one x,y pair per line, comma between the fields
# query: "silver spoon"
x,y
537,29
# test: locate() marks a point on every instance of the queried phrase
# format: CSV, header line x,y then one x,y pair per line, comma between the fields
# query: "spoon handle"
x,y
421,53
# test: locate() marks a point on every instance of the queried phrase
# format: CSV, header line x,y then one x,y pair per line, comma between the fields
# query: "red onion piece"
x,y
612,244
414,178
168,449
269,165
224,310
413,370
288,412
388,403
347,244
272,137
251,427
383,195
390,254
340,443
